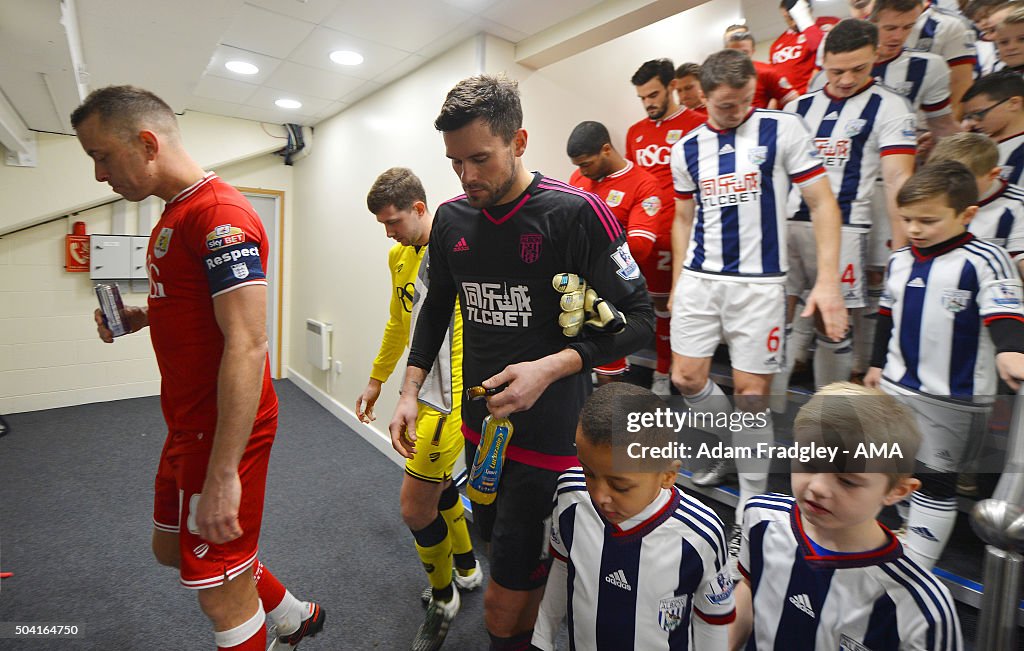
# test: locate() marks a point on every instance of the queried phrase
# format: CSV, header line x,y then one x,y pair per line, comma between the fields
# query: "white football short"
x,y
803,262
748,316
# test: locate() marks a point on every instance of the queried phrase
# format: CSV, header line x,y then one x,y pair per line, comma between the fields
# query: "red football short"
x,y
179,481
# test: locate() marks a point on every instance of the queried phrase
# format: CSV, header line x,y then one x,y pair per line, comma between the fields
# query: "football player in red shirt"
x,y
794,52
773,91
206,313
643,207
649,146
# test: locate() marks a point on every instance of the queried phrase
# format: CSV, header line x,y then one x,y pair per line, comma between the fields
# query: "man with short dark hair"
x,y
649,145
863,131
496,249
688,87
643,207
207,261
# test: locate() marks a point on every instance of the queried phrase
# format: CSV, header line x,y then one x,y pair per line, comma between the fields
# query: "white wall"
x,y
49,353
338,250
594,85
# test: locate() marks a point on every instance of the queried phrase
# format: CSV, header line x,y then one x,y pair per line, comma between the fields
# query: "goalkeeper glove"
x,y
582,306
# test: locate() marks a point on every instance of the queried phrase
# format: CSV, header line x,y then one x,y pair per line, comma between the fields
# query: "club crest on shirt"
x,y
651,205
758,155
847,643
614,198
530,246
240,270
163,242
670,613
956,300
673,136
903,87
855,126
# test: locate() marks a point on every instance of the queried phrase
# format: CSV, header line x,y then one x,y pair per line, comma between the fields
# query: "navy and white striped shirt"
x,y
948,35
739,179
1000,219
879,600
921,77
852,134
1011,158
639,588
940,304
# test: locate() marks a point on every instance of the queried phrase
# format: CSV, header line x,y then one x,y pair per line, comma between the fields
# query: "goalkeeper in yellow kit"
x,y
430,502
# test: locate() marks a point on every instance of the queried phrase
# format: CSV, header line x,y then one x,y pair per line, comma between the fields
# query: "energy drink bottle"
x,y
489,460
116,320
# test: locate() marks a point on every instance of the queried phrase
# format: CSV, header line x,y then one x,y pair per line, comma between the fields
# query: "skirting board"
x,y
344,414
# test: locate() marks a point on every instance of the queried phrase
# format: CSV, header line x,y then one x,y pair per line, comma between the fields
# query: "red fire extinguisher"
x,y
76,249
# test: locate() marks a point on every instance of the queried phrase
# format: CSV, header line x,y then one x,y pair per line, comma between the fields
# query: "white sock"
x,y
753,472
833,360
242,632
929,528
711,399
803,336
289,614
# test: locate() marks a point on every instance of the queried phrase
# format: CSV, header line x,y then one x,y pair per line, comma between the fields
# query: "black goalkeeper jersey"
x,y
500,261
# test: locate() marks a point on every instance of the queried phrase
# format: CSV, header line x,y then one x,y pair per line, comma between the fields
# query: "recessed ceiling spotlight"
x,y
241,67
288,103
346,57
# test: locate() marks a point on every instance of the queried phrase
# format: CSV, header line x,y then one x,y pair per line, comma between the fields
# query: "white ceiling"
x,y
178,48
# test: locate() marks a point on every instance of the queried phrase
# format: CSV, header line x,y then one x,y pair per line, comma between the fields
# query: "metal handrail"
x,y
999,521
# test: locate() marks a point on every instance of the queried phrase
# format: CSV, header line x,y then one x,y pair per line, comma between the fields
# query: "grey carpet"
x,y
75,524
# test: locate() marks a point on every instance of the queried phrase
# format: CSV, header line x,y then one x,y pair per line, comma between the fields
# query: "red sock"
x,y
662,343
269,588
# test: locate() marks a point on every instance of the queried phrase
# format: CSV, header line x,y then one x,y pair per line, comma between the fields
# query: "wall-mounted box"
x,y
110,257
140,244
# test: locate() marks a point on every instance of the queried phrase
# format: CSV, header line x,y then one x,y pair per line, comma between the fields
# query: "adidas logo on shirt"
x,y
618,579
460,245
924,533
727,149
803,602
917,282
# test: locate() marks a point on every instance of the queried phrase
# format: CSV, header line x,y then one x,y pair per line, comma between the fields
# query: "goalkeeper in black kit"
x,y
502,249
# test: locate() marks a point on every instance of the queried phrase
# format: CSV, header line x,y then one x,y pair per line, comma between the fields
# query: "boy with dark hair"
x,y
637,563
951,304
994,105
819,571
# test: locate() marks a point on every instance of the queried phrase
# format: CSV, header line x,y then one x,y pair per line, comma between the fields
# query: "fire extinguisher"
x,y
76,249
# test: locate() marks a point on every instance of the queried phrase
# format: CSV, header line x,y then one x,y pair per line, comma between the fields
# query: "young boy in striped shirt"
x,y
637,564
950,318
819,571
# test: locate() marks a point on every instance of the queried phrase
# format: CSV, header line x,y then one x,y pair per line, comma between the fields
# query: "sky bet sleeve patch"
x,y
234,265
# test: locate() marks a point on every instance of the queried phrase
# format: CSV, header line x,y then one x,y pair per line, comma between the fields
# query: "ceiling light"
x,y
346,57
241,67
288,103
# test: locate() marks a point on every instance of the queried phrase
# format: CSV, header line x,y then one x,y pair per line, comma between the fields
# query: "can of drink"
x,y
113,308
